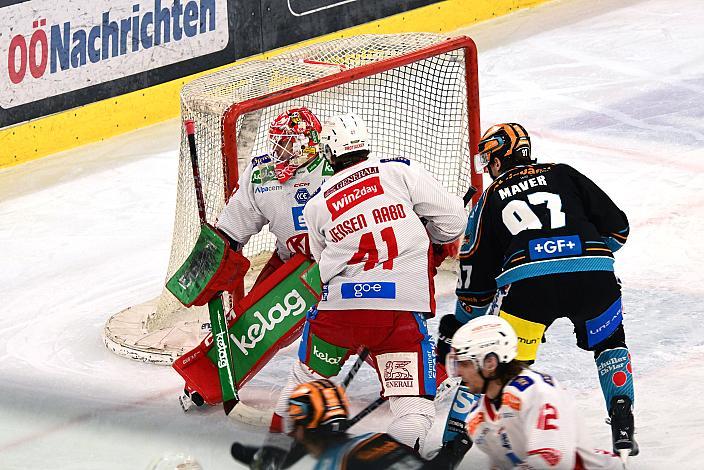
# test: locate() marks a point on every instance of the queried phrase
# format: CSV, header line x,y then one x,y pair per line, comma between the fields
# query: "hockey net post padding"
x,y
418,93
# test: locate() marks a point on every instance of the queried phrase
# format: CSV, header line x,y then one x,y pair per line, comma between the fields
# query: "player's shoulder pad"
x,y
404,160
521,382
260,160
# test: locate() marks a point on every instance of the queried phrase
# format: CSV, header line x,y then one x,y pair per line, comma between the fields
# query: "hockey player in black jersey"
x,y
319,412
539,246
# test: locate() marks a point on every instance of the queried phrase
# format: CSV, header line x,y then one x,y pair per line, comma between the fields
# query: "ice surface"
x,y
615,91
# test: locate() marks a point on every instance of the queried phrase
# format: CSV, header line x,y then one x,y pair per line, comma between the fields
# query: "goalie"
x,y
272,190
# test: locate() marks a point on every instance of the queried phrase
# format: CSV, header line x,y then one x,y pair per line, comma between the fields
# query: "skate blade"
x,y
624,454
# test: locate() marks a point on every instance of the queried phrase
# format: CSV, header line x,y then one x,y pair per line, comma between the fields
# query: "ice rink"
x,y
615,89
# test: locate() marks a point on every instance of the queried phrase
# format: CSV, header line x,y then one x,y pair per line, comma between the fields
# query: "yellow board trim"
x,y
104,119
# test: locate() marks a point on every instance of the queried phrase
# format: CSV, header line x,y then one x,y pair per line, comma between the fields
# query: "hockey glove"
x,y
212,267
448,327
446,250
452,453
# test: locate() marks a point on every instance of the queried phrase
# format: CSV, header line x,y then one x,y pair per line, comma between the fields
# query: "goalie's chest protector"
x,y
281,204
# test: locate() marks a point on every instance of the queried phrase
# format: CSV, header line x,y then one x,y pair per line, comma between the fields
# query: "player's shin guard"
x,y
413,418
615,374
616,377
300,374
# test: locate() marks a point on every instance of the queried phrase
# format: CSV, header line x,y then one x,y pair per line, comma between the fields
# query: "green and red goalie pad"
x,y
269,318
212,267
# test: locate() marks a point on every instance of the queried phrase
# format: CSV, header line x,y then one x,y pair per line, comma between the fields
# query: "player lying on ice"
x,y
319,416
524,419
372,227
539,246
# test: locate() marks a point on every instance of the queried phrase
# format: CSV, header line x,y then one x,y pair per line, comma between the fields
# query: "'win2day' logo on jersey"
x,y
342,201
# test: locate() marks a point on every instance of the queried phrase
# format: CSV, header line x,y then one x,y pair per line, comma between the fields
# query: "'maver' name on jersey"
x,y
522,186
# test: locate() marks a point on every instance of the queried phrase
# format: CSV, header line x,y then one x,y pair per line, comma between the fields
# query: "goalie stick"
x,y
218,320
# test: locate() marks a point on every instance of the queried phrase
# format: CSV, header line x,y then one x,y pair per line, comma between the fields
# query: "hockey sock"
x,y
615,374
413,418
457,417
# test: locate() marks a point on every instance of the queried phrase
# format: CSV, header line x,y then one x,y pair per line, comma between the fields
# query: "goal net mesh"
x,y
417,110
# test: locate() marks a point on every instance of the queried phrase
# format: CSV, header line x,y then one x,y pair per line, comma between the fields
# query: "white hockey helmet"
x,y
488,334
343,134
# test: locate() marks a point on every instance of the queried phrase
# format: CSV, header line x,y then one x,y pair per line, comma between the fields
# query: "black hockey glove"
x,y
268,458
452,453
449,325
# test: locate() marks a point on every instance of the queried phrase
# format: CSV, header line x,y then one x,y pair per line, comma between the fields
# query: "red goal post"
x,y
418,93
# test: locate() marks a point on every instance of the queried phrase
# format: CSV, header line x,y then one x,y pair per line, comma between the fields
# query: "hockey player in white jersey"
x,y
372,227
524,418
272,190
274,187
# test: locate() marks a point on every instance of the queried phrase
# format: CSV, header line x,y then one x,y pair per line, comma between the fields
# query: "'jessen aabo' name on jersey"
x,y
536,220
371,246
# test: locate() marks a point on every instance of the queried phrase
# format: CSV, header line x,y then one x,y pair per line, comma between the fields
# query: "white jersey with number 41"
x,y
367,236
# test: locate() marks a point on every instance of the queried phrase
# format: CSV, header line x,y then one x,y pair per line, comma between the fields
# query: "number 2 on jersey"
x,y
367,249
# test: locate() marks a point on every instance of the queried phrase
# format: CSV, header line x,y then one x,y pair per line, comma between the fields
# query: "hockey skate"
x,y
621,420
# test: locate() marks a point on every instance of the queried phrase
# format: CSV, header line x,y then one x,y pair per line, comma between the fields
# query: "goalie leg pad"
x,y
269,317
413,418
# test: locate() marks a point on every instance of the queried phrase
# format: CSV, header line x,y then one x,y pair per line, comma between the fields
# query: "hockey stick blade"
x,y
250,415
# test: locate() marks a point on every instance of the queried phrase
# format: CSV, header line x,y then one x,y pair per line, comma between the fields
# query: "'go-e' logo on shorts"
x,y
368,290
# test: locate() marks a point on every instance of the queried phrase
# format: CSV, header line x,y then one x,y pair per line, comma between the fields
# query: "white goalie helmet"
x,y
483,336
343,134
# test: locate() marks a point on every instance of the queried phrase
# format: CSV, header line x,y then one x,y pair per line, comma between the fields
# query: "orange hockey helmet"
x,y
509,143
319,405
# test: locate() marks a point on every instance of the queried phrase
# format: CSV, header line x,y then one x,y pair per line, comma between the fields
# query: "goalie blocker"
x,y
270,317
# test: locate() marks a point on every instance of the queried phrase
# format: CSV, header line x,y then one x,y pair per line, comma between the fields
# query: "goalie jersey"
x,y
368,238
262,199
534,426
537,220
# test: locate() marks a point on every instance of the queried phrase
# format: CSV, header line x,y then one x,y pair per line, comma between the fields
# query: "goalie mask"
x,y
344,138
319,405
294,138
509,143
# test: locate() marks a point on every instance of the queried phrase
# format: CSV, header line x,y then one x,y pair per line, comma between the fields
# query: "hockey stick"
x,y
218,321
362,356
364,413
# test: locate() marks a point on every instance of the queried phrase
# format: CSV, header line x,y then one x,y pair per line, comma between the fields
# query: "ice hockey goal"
x,y
417,92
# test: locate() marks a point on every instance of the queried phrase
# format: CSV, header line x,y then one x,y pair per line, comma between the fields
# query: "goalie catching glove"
x,y
212,267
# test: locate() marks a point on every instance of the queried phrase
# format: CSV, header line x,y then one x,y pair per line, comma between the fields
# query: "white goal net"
x,y
416,91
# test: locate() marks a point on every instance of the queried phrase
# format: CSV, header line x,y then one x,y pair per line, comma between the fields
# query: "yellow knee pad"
x,y
529,335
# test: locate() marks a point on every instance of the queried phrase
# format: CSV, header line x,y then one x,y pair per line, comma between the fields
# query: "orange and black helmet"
x,y
508,142
319,405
